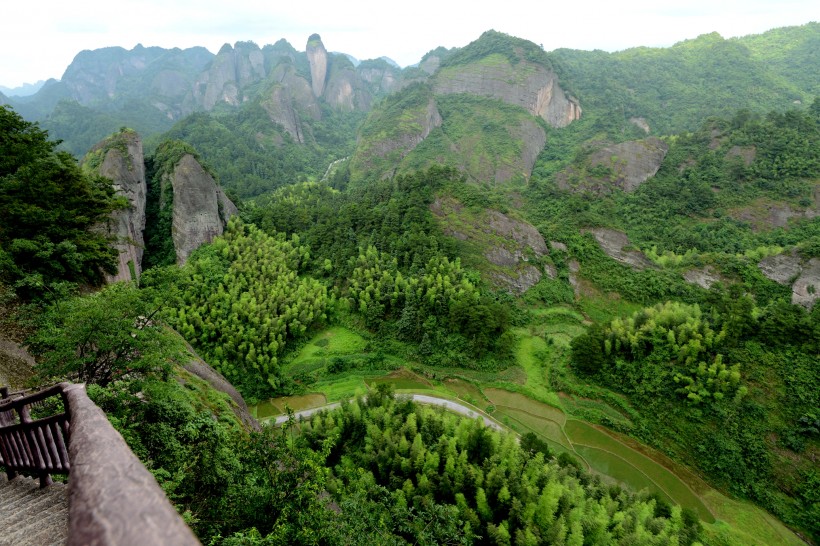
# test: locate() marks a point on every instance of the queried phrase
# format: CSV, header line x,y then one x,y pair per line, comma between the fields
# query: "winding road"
x,y
420,398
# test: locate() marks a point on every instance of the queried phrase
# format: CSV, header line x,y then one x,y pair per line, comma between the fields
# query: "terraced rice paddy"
x,y
277,406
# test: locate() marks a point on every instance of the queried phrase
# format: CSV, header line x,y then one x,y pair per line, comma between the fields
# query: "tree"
x,y
48,208
105,336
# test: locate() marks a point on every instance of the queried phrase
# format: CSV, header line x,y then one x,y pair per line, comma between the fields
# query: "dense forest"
x,y
665,392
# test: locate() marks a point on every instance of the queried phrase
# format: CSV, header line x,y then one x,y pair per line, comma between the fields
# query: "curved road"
x,y
420,398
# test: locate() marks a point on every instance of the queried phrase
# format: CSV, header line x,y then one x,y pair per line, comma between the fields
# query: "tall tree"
x,y
48,208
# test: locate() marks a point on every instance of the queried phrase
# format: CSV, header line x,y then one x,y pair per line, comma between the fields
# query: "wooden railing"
x,y
112,497
36,446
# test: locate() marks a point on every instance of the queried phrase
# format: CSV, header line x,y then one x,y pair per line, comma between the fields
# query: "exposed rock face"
x,y
528,85
764,214
630,164
289,96
806,289
613,243
633,162
781,268
124,164
430,64
507,244
804,276
534,139
704,277
231,70
317,57
344,90
384,80
201,209
641,124
423,121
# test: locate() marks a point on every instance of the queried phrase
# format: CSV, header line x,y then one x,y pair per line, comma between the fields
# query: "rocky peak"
x,y
317,57
229,73
287,99
200,207
120,158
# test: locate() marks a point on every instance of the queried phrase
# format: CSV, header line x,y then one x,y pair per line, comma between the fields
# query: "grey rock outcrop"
x,y
200,207
704,277
806,289
120,158
317,57
288,98
421,120
632,162
629,165
229,73
529,85
345,90
803,275
614,243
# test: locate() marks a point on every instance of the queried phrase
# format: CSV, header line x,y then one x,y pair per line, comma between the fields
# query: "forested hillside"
x,y
615,257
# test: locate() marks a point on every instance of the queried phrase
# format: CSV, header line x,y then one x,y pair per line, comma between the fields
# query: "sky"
x,y
39,39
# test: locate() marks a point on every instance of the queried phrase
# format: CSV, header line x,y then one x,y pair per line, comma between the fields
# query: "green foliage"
x,y
491,489
658,347
493,42
106,336
47,209
242,300
253,155
656,84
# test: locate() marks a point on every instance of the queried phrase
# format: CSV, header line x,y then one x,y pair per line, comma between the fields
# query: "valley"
x,y
617,269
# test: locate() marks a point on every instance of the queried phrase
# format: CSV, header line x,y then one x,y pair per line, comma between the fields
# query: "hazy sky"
x,y
38,39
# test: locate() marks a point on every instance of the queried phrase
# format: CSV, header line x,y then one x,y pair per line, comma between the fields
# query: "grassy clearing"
x,y
545,428
620,470
585,406
518,401
529,352
584,435
741,523
277,406
336,340
466,391
341,387
603,309
401,379
545,314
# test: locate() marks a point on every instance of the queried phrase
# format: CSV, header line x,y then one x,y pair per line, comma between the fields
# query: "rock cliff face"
x,y
200,207
411,126
629,164
229,73
288,96
345,90
615,244
120,158
317,57
802,274
633,162
529,85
